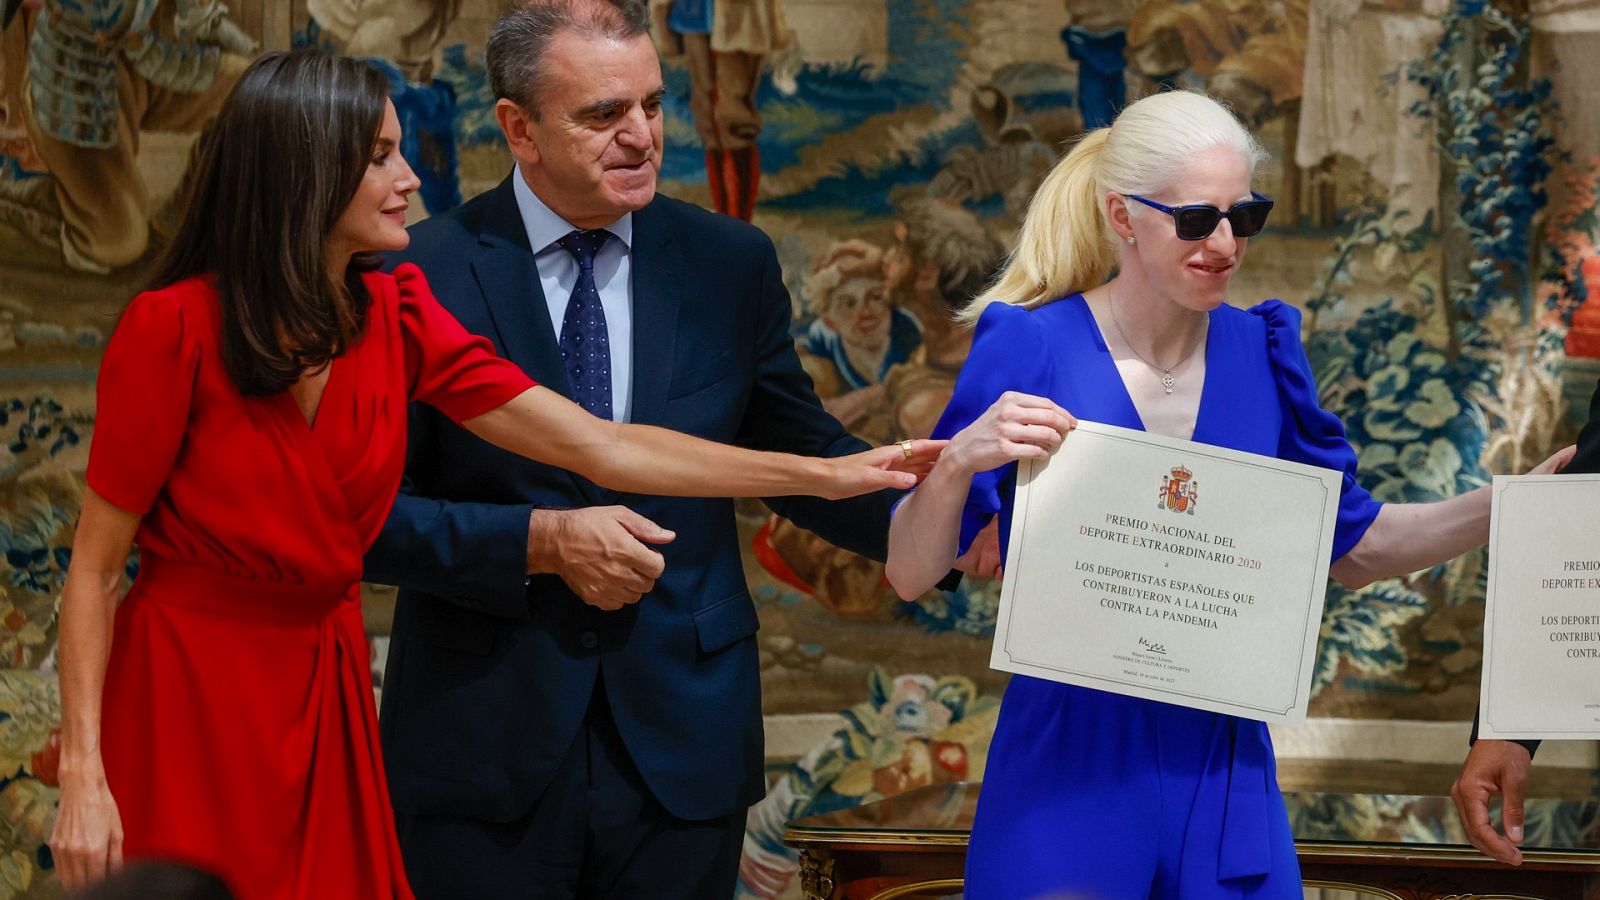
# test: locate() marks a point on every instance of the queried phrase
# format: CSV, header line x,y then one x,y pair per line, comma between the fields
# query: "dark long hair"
x,y
275,171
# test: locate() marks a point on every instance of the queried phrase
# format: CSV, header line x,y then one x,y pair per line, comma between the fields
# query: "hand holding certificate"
x,y
1168,570
1541,637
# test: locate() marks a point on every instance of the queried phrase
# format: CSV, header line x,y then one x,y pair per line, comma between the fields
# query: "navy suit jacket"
x,y
490,673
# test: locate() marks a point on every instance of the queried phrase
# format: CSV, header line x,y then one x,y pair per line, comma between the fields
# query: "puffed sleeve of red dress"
x,y
448,367
1311,434
143,396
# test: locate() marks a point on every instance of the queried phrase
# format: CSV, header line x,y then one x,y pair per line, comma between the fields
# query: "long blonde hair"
x,y
1066,244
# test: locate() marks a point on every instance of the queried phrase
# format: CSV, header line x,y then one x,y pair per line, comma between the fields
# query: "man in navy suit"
x,y
572,701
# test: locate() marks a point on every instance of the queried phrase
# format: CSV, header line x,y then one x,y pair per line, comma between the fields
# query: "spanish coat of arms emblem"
x,y
1180,493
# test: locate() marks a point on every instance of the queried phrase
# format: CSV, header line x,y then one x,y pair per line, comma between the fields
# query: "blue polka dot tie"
x,y
585,347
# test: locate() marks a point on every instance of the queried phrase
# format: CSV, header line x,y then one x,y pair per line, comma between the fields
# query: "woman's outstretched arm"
x,y
1409,537
642,459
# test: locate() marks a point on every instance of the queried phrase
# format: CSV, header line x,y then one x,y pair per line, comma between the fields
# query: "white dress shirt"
x,y
558,275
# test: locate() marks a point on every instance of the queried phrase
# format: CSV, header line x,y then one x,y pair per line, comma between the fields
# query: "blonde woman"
x,y
1089,793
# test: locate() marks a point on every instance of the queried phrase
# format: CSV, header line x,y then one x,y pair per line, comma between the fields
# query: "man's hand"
x,y
1493,767
599,551
983,557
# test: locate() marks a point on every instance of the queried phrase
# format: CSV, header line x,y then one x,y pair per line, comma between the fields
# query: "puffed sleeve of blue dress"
x,y
1008,354
1311,434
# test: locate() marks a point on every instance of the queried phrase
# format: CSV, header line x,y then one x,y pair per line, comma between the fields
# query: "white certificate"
x,y
1169,570
1541,626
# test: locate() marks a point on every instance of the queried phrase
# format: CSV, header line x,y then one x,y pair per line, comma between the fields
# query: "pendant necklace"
x,y
1168,381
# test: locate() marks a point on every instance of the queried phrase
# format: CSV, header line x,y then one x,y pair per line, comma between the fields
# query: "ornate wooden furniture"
x,y
912,847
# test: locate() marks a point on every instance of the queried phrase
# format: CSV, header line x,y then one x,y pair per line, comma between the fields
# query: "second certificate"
x,y
1168,570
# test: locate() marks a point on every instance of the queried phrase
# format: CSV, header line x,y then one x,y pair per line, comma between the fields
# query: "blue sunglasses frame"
x,y
1241,216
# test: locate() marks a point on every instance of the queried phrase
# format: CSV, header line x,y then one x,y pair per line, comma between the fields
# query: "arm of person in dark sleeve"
x,y
1472,739
472,554
1587,459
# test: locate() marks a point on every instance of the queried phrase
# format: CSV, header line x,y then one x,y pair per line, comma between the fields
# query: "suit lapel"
x,y
657,289
506,273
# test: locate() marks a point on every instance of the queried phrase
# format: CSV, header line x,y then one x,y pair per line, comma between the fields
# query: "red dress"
x,y
239,732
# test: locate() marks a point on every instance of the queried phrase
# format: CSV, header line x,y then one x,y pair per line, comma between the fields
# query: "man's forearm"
x,y
545,527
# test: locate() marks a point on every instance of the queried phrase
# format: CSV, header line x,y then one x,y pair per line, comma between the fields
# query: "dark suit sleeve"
x,y
1531,746
1587,459
784,415
471,554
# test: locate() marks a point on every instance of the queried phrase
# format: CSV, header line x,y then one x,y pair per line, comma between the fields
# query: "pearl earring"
x,y
1130,240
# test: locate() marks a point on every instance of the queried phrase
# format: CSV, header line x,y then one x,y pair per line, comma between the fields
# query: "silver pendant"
x,y
1167,381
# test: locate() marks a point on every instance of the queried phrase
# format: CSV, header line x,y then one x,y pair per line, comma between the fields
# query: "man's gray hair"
x,y
520,38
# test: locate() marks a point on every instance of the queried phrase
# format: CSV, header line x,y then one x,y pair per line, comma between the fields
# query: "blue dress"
x,y
1096,795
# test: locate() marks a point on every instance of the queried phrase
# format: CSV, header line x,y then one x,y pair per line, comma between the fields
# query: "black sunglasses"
x,y
1196,222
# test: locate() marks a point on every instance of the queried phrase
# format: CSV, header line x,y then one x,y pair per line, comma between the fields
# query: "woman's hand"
x,y
1556,462
914,456
86,839
1017,426
899,465
927,526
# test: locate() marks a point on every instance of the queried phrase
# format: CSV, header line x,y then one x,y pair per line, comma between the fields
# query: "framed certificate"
x,y
1168,570
1541,624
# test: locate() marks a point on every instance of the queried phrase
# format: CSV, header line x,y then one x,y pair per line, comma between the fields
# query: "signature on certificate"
x,y
1152,646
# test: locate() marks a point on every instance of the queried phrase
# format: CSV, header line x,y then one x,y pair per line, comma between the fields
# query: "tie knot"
x,y
583,245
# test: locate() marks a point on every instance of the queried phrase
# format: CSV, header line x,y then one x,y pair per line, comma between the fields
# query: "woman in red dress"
x,y
250,439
